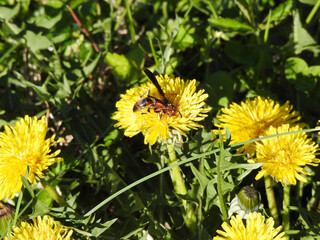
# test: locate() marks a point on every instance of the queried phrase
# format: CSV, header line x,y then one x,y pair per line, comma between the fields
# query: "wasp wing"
x,y
154,81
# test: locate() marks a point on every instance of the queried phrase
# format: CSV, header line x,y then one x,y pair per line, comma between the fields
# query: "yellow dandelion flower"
x,y
283,157
251,119
42,229
161,126
21,146
255,228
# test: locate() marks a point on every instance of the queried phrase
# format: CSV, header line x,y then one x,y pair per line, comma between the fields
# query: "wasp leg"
x,y
145,93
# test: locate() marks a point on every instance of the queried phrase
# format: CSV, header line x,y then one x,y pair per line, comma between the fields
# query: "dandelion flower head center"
x,y
21,146
283,157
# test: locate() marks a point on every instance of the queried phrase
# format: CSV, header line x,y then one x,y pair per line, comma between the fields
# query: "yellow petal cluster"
x,y
255,228
159,126
251,119
42,229
284,157
21,146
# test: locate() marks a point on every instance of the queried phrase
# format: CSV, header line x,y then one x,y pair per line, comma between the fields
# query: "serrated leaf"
x,y
202,179
230,25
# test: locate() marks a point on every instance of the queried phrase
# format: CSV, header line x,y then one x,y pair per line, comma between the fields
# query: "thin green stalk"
x,y
180,188
271,199
161,190
131,27
286,210
153,51
313,11
223,206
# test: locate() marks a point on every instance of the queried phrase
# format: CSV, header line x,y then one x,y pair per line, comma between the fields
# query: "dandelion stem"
x,y
223,207
180,188
286,210
271,199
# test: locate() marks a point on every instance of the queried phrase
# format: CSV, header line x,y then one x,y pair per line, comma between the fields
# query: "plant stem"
x,y
180,188
223,207
130,20
271,199
286,210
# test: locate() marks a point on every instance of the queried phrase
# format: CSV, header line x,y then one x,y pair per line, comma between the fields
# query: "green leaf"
x,y
9,13
112,135
298,73
310,2
202,179
27,185
43,203
55,4
46,22
302,39
244,7
41,90
281,12
37,42
295,66
185,37
89,68
11,28
98,230
122,67
64,89
229,24
314,71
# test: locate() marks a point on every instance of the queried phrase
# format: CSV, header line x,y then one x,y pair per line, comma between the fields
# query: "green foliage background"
x,y
236,49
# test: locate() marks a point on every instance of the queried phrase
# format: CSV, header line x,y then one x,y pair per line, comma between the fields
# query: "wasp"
x,y
159,105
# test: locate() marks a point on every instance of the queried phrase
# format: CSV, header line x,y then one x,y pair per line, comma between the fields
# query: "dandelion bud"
x,y
6,215
246,201
249,198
